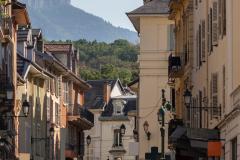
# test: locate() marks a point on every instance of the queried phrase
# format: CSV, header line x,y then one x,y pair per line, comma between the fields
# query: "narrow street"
x,y
119,80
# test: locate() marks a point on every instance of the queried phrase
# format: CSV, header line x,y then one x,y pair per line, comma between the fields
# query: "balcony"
x,y
175,69
6,102
79,116
6,29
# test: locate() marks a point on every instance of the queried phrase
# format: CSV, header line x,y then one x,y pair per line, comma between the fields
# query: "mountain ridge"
x,y
59,20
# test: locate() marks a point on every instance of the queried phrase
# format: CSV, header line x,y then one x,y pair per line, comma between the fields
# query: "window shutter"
x,y
208,38
197,50
203,40
220,18
215,95
200,45
224,28
215,23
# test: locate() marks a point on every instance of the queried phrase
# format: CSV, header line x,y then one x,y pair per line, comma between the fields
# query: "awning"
x,y
196,141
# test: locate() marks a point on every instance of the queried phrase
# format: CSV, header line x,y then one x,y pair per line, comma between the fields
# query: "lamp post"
x,y
161,120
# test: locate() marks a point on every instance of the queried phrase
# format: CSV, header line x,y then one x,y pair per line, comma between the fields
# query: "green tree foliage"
x,y
101,60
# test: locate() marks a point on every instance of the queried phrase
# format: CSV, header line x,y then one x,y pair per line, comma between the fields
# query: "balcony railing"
x,y
85,113
5,85
80,111
174,66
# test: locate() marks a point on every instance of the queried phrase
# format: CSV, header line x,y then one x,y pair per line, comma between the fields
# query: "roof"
x,y
94,97
129,106
36,32
21,14
58,47
154,7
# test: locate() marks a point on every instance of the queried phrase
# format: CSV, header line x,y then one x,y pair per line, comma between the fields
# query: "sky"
x,y
112,11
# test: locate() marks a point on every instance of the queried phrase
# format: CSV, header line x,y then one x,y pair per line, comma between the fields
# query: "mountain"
x,y
59,20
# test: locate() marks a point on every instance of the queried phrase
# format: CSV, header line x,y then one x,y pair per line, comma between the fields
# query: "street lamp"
x,y
161,116
145,127
51,131
122,129
88,140
187,98
26,108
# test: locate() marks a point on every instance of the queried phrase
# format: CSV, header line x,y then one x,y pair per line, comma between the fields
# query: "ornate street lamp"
x,y
187,98
122,129
161,114
26,108
88,140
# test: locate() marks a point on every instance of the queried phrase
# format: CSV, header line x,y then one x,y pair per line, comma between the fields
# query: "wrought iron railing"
x,y
85,113
174,65
78,110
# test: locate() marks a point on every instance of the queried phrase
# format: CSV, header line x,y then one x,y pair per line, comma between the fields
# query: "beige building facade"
x,y
206,49
154,28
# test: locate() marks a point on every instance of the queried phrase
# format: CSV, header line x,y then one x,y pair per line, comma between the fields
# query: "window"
x,y
234,149
214,93
224,21
48,109
118,106
224,88
117,138
48,84
215,23
171,38
57,113
65,92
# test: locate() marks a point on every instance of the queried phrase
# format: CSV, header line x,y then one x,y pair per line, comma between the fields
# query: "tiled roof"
x,y
152,7
57,47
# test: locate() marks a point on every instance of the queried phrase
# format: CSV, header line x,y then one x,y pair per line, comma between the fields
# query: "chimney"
x,y
146,1
106,91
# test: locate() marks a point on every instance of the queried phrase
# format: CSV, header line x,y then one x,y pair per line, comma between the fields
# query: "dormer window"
x,y
118,106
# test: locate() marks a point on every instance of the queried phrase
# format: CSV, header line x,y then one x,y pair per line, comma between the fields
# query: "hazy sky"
x,y
112,11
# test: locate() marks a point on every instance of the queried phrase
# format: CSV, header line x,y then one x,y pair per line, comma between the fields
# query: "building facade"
x,y
113,107
204,63
8,74
156,43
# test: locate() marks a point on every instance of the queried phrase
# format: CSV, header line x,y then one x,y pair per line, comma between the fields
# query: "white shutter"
x,y
215,23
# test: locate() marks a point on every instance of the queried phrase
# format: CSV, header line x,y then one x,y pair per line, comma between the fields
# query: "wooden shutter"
x,y
215,94
200,45
224,23
203,41
220,18
197,50
215,23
